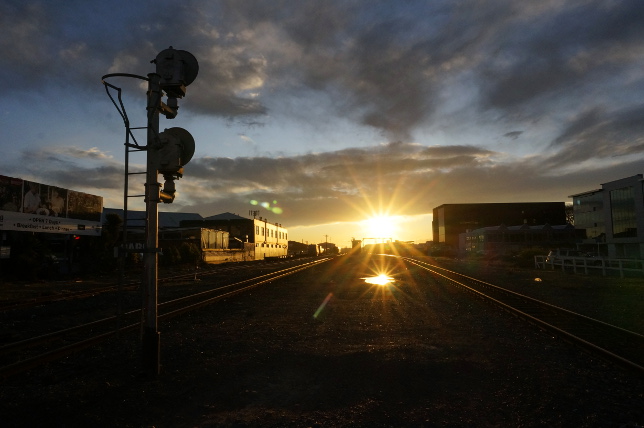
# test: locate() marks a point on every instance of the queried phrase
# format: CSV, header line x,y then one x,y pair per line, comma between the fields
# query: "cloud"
x,y
24,24
559,50
382,66
597,134
89,170
513,135
246,138
562,80
343,185
331,186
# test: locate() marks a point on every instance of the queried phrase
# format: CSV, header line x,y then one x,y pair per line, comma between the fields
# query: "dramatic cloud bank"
x,y
332,111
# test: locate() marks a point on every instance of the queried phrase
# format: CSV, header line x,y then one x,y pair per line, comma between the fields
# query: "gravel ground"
x,y
323,349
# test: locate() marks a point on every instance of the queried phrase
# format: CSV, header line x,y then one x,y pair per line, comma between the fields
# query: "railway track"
x,y
22,355
61,290
619,345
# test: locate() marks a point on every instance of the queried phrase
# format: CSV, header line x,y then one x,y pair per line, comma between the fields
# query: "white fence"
x,y
590,264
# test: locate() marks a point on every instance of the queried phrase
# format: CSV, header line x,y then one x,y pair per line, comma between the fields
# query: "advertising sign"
x,y
34,207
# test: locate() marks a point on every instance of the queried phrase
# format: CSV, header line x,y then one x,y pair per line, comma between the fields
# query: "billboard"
x,y
29,206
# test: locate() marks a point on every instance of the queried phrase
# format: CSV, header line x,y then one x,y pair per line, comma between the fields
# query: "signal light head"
x,y
176,149
177,69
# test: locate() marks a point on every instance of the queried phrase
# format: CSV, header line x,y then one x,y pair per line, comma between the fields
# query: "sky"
x,y
323,115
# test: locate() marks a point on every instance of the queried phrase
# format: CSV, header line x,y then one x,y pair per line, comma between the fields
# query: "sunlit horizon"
x,y
416,228
381,227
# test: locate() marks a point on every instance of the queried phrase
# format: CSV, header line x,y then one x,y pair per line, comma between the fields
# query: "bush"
x,y
169,257
525,257
189,253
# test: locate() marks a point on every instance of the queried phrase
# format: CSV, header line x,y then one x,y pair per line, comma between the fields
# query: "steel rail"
x,y
532,299
39,340
605,353
49,337
9,305
233,292
32,362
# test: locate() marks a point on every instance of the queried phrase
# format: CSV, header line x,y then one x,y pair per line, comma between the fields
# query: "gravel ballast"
x,y
324,348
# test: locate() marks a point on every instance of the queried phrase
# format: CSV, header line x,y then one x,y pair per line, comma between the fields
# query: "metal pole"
x,y
151,337
122,243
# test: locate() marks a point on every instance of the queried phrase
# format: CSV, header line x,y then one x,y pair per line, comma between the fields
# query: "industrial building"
x,y
613,218
264,239
247,238
450,220
503,240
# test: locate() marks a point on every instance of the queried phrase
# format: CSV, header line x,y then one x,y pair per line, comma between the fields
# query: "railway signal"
x,y
177,69
176,147
167,153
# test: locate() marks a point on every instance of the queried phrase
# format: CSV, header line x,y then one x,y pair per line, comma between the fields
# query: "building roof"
x,y
226,216
478,204
589,192
166,219
524,227
621,181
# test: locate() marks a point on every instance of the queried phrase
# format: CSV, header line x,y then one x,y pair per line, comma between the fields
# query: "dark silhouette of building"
x,y
613,218
450,220
502,239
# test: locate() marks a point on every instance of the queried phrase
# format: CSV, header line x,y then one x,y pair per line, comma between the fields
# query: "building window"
x,y
589,214
623,215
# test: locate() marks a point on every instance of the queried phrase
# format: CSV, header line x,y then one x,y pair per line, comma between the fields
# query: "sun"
x,y
381,226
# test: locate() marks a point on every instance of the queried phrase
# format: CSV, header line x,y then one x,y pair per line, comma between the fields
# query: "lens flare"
x,y
267,205
321,307
382,279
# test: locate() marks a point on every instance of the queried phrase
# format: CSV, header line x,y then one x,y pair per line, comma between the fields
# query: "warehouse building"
x,y
265,239
503,240
451,220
